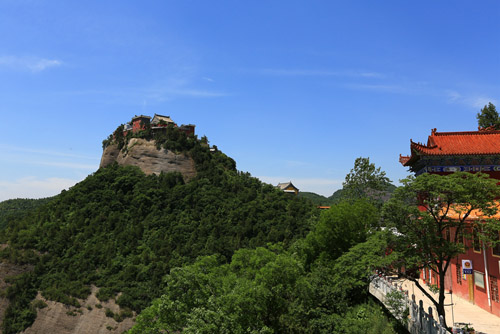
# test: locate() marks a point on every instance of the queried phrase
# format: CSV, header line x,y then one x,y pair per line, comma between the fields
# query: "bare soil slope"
x,y
58,318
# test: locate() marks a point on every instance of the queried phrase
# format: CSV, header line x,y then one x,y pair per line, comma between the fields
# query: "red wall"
x,y
480,296
188,129
138,123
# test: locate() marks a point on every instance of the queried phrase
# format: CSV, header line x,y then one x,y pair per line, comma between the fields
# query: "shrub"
x,y
37,303
109,313
105,294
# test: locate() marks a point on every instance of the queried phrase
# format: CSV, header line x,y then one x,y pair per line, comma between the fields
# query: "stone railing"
x,y
406,310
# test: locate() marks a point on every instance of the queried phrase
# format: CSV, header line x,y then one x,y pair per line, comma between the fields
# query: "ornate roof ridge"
x,y
412,143
480,131
403,158
161,115
141,116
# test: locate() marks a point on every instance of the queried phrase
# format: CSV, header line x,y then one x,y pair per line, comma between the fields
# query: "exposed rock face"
x,y
61,319
143,154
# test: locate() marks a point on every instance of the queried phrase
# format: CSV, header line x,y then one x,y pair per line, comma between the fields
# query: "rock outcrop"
x,y
144,154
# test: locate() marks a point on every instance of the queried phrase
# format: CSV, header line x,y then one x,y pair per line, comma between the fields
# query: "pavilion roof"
x,y
285,185
481,142
157,118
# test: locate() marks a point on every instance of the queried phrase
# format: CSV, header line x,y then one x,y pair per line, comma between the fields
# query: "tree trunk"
x,y
440,306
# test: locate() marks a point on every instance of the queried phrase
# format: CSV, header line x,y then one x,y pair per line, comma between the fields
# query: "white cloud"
x,y
178,89
42,64
371,75
296,163
44,152
394,89
325,187
32,64
194,93
453,96
150,95
16,155
471,100
318,73
70,165
33,187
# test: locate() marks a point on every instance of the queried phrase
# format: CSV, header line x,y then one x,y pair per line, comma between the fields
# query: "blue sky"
x,y
292,90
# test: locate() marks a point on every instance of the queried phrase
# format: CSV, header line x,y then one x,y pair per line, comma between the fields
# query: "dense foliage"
x,y
340,228
123,231
17,208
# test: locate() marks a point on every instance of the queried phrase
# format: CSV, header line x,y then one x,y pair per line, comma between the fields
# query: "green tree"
x,y
339,228
118,137
488,117
430,215
365,181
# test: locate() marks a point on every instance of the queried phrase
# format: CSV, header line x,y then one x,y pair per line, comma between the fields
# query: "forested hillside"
x,y
123,231
318,285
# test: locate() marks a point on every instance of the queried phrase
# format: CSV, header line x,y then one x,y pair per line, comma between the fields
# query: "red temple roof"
x,y
482,142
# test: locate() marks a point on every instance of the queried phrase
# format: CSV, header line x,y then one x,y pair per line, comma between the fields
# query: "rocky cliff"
x,y
144,154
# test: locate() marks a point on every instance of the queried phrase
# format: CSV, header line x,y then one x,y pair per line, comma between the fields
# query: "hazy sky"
x,y
292,90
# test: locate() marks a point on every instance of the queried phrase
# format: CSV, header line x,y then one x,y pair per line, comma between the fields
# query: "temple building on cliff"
x,y
469,151
158,123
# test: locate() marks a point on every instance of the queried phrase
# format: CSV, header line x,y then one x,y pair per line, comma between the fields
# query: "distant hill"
x,y
314,198
336,196
320,199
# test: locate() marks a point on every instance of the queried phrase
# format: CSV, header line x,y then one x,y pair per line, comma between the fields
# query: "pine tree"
x,y
488,117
